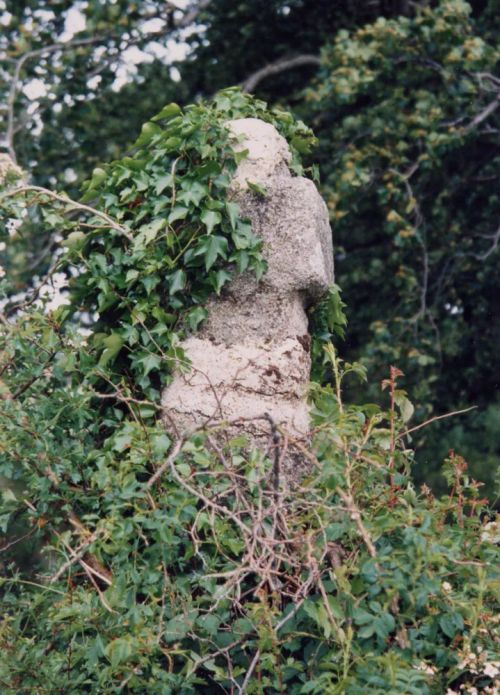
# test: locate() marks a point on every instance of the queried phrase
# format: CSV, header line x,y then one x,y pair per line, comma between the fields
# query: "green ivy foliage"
x,y
188,238
184,566
177,236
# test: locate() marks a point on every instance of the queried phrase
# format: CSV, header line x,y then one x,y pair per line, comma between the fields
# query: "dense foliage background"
x,y
403,98
132,563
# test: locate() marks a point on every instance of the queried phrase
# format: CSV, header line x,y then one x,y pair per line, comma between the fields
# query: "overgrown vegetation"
x,y
186,565
403,97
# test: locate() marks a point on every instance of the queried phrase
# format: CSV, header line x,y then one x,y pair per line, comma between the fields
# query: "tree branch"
x,y
191,14
281,65
483,115
433,419
73,204
495,240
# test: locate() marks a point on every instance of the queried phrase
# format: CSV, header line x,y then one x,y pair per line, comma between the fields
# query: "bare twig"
x,y
275,435
495,240
486,76
433,419
483,115
167,464
356,517
76,556
281,65
17,540
119,396
72,203
250,671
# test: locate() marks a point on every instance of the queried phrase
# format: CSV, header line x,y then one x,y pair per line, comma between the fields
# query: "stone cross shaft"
x,y
251,356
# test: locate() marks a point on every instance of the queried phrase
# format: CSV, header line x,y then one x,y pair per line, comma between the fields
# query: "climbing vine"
x,y
166,236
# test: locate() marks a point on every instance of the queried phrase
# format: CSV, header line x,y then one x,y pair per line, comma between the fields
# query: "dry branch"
x,y
281,65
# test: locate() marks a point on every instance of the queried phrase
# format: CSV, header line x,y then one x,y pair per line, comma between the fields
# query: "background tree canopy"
x,y
404,100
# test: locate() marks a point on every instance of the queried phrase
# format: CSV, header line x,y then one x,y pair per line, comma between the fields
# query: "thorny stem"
x,y
331,352
433,419
391,382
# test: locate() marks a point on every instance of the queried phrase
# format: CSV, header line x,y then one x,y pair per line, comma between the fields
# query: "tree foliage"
x,y
414,199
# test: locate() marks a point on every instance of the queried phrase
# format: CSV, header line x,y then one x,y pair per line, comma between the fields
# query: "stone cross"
x,y
251,356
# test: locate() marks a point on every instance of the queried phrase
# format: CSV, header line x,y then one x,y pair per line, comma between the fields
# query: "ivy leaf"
x,y
150,282
193,192
163,182
148,233
178,213
196,316
240,155
219,279
243,237
75,241
4,522
167,112
257,189
160,444
131,275
213,247
98,177
8,495
259,267
336,318
123,438
177,281
113,344
233,210
210,218
149,362
148,131
302,145
405,406
242,261
141,181
119,650
451,624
